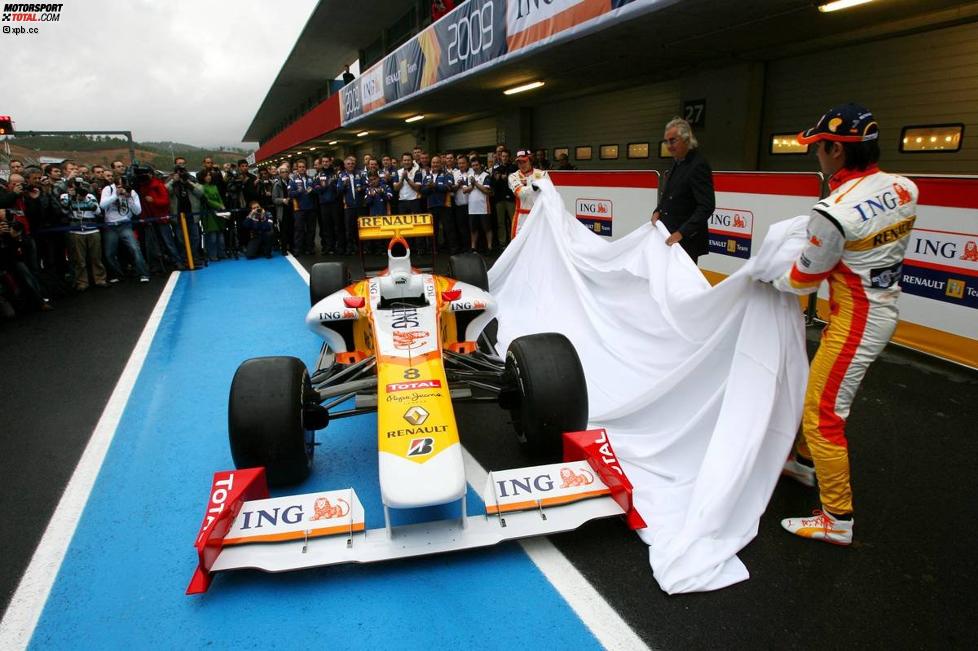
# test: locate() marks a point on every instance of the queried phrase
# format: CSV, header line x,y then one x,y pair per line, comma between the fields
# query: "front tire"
x,y
265,419
549,391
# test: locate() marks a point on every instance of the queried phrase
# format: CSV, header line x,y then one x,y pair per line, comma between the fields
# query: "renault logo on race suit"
x,y
323,510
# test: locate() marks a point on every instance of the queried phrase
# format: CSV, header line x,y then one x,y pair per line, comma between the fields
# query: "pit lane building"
x,y
748,74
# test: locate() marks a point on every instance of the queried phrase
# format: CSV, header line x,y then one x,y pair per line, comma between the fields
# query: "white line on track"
x,y
596,613
35,585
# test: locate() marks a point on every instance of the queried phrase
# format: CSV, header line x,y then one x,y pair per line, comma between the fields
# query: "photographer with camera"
x,y
217,178
185,198
258,225
14,257
84,240
120,205
157,233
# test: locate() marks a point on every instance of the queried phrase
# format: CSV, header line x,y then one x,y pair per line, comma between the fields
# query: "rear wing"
x,y
389,227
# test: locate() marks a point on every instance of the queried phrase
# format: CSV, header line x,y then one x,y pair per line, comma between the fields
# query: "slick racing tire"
x,y
548,392
327,278
471,268
265,419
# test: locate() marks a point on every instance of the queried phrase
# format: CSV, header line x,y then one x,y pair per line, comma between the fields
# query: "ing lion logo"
x,y
903,195
570,479
323,510
602,208
739,222
410,339
970,251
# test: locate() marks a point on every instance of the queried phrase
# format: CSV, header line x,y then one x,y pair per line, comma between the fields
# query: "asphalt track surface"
x,y
906,583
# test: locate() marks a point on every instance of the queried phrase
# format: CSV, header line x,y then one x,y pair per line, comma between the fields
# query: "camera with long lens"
x,y
82,187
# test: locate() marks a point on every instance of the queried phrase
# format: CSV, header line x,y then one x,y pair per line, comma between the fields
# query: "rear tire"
x,y
469,268
327,278
550,392
265,425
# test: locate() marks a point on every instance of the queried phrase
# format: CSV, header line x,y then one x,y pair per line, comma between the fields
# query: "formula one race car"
x,y
407,345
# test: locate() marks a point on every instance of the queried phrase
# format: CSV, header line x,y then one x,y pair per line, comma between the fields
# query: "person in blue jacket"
x,y
332,235
378,196
437,186
304,207
349,186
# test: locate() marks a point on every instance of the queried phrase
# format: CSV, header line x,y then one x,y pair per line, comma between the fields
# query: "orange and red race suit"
x,y
857,237
522,186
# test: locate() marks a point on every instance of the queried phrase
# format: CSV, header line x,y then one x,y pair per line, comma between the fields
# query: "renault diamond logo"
x,y
416,415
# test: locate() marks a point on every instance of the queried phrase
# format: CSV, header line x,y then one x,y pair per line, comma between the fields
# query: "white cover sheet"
x,y
699,387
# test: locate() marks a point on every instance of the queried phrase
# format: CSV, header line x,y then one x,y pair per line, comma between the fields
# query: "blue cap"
x,y
845,123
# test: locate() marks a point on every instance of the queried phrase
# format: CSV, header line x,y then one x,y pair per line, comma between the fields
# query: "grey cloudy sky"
x,y
179,70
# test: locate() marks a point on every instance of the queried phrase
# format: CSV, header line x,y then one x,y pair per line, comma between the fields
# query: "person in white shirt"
x,y
407,186
461,201
120,204
478,190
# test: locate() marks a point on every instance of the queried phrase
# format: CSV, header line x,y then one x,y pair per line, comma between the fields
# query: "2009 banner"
x,y
474,34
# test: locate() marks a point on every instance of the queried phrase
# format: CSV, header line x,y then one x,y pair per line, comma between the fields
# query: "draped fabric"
x,y
699,387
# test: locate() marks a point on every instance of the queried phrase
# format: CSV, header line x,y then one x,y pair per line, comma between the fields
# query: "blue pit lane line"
x,y
122,581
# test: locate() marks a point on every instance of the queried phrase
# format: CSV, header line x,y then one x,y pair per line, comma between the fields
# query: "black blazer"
x,y
687,201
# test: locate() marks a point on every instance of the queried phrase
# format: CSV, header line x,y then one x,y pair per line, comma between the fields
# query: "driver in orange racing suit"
x,y
857,237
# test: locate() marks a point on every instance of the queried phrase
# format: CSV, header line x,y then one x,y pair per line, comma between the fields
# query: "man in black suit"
x,y
687,198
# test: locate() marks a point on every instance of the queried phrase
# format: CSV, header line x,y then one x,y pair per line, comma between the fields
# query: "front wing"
x,y
243,528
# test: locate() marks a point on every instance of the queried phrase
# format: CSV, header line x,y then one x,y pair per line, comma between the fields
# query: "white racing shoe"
x,y
821,526
801,473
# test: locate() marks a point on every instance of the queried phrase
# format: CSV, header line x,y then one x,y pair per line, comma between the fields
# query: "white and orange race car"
x,y
407,345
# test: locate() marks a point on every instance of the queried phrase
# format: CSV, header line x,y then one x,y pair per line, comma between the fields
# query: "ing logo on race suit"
x,y
323,510
410,339
570,479
903,195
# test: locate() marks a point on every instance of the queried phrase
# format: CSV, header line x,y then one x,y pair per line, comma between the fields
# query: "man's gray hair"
x,y
684,130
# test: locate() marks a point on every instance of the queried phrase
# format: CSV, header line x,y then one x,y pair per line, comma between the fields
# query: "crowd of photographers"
x,y
70,226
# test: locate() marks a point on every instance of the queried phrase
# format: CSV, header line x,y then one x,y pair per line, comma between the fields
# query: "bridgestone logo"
x,y
33,8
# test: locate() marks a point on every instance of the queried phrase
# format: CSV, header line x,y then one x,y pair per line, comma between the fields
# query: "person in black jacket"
x,y
687,198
